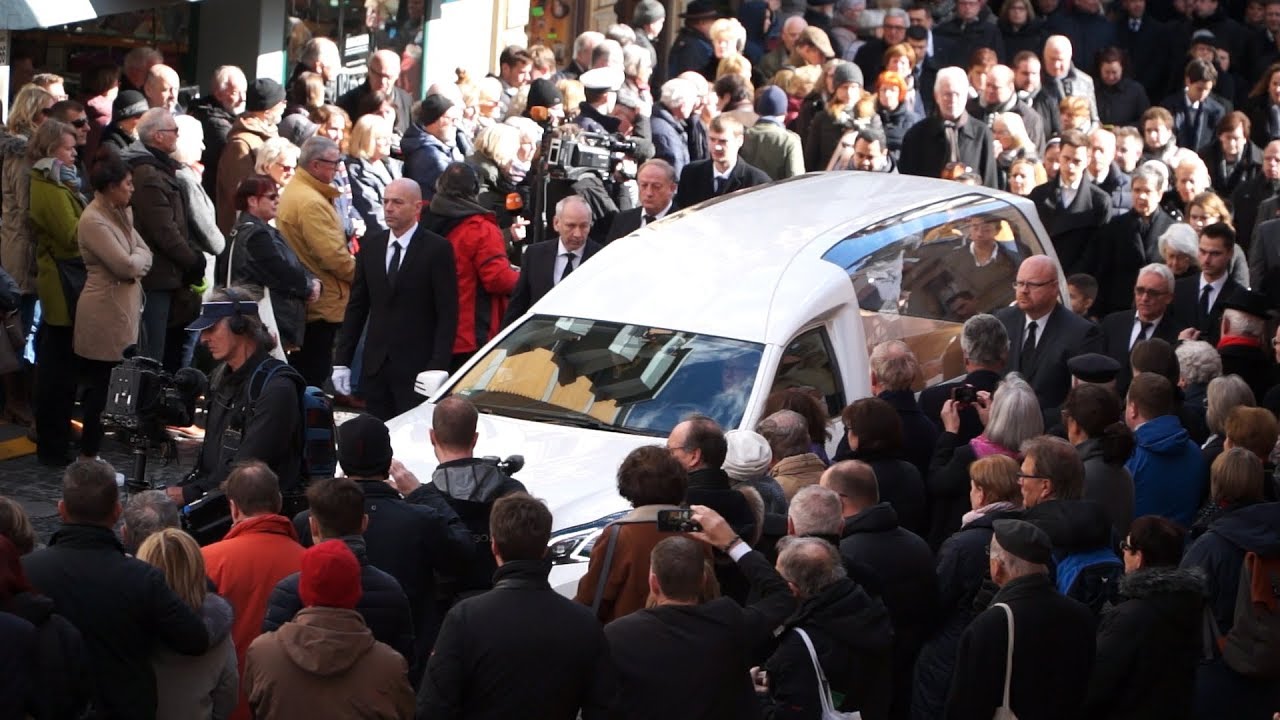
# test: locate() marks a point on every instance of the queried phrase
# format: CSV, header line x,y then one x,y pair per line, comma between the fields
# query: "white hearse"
x,y
713,308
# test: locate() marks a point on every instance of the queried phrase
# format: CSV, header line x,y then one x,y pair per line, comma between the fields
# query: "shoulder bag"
x,y
829,711
1004,712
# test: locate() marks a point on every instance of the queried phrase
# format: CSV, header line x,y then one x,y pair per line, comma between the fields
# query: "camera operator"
x,y
255,408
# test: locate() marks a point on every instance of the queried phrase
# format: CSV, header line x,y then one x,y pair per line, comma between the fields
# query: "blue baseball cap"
x,y
212,312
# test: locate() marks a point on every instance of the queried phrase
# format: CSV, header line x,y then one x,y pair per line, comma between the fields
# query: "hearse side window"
x,y
946,261
808,362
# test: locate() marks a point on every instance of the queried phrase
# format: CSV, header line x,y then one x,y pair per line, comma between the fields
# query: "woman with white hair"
x,y
1223,395
1190,178
1011,143
1009,417
371,168
278,160
202,216
1198,364
497,149
1180,248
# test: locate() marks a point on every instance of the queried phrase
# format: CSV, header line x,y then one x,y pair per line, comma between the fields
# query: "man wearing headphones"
x,y
255,400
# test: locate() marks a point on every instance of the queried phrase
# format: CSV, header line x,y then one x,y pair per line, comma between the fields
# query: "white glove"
x,y
342,380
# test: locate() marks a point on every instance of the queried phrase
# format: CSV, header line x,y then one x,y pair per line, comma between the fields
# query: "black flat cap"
x,y
1023,540
1251,303
1094,368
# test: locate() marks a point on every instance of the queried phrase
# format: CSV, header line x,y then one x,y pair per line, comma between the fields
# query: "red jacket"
x,y
245,566
485,276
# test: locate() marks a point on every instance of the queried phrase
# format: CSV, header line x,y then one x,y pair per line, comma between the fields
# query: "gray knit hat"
x,y
748,455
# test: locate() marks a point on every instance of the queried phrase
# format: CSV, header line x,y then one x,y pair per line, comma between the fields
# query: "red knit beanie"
x,y
330,576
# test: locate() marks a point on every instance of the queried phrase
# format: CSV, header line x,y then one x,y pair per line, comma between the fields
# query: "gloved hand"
x,y
194,275
201,288
341,380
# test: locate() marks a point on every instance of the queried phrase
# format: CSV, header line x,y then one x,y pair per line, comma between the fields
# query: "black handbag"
x,y
72,274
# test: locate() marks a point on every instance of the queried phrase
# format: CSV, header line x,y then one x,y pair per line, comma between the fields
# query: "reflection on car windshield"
x,y
612,376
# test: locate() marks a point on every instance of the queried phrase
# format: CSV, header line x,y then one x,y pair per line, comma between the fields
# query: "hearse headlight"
x,y
574,544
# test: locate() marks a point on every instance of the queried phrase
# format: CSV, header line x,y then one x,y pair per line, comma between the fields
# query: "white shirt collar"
x,y
717,174
561,250
661,213
404,239
1039,321
1216,284
995,251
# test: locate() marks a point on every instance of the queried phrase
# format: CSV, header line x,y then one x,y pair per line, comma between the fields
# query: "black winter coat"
x,y
1220,552
382,604
217,123
1122,103
260,257
122,608
17,649
948,486
903,565
60,675
901,487
1029,37
1053,650
1148,648
896,123
852,637
963,568
520,650
704,651
670,139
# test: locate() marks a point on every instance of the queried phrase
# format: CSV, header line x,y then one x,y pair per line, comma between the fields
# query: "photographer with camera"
x,y
255,406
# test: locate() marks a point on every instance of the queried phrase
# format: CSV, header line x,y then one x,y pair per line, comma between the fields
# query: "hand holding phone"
x,y
680,520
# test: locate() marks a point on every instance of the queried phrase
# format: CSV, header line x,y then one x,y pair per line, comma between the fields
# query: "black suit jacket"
x,y
1073,228
1186,305
933,398
411,326
1149,47
1063,336
537,275
924,149
697,182
1264,260
1118,327
628,221
1194,130
1123,251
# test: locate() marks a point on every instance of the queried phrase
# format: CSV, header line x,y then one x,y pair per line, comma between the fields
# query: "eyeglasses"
x,y
1029,476
334,163
1029,285
270,196
1149,292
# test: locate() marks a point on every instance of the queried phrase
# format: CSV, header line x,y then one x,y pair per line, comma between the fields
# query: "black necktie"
x,y
1204,302
953,140
393,268
568,265
719,184
649,218
1029,348
1144,331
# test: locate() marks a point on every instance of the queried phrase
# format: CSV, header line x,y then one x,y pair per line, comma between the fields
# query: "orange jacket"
x,y
245,566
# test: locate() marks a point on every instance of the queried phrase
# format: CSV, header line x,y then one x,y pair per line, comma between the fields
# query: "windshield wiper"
x,y
567,417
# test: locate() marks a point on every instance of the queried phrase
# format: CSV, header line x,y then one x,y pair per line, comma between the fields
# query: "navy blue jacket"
x,y
425,157
1168,471
670,138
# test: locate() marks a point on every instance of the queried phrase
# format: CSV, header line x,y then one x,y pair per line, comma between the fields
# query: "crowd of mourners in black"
x,y
1086,524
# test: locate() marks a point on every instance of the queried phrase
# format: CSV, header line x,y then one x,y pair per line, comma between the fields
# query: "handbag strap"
x,y
1008,660
612,531
824,688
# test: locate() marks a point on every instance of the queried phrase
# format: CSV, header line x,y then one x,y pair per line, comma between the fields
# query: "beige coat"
x,y
313,230
796,472
236,163
116,258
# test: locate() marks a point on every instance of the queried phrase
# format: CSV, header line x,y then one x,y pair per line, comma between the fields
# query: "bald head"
x,y
1057,56
384,71
402,201
161,87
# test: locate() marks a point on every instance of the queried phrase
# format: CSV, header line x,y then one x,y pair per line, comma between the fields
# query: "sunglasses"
x,y
80,122
270,196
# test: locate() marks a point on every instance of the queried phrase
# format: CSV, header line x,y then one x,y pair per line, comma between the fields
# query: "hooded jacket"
x,y
61,679
55,210
382,604
17,246
485,277
853,639
1168,471
201,687
1148,647
470,486
326,663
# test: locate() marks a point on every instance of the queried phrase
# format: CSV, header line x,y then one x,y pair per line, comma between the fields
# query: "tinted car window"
x,y
612,376
807,362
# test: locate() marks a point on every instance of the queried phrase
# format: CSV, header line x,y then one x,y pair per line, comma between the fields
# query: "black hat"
x,y
128,104
432,108
1094,368
543,93
700,10
263,94
1023,540
1204,37
364,447
1250,303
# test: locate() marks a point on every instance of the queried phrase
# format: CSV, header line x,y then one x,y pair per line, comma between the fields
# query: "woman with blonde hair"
x,y
1011,143
189,687
728,38
371,168
1025,175
278,160
574,95
962,568
844,110
1207,208
17,248
497,151
734,65
1074,114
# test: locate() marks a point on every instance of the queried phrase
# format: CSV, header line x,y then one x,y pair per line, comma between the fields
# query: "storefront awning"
x,y
27,14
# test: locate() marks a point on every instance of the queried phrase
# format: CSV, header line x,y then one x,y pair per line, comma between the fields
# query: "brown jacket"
x,y
117,259
313,230
796,472
325,664
160,215
627,588
236,163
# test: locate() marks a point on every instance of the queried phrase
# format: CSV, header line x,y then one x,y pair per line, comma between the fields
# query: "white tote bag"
x,y
829,711
266,313
1004,712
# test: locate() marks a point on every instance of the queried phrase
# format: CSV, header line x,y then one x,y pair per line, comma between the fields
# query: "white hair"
x,y
190,140
225,74
273,151
816,510
956,77
1162,270
677,92
153,120
1015,414
1198,361
1180,238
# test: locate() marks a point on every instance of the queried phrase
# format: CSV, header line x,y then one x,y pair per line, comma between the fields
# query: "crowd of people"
x,y
1085,524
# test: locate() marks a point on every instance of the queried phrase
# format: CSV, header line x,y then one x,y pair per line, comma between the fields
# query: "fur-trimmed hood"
x,y
1163,581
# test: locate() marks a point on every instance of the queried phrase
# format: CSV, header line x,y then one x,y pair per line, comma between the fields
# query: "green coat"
x,y
55,212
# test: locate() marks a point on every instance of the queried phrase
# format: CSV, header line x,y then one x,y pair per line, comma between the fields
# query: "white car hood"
x,y
574,470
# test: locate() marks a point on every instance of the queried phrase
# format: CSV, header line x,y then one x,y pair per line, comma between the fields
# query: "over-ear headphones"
x,y
236,323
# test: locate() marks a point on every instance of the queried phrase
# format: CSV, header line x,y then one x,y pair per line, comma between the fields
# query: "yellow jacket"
x,y
312,228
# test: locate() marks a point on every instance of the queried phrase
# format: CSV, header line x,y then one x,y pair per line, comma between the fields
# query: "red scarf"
x,y
1236,340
